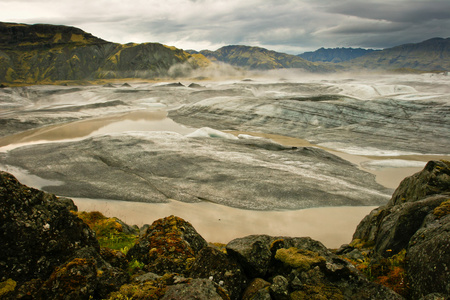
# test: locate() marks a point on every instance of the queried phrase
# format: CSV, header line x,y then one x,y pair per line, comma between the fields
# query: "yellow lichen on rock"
x,y
443,209
298,258
7,286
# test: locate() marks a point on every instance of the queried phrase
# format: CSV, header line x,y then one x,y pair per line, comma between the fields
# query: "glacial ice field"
x,y
228,148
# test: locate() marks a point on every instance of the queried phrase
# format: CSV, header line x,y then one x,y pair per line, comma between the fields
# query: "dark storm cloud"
x,y
413,11
291,26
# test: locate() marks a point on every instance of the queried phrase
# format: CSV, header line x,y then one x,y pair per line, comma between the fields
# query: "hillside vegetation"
x,y
46,53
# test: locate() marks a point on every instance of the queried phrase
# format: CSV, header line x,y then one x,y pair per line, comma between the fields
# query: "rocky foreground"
x,y
48,252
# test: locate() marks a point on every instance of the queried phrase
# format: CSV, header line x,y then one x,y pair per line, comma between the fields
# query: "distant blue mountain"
x,y
335,55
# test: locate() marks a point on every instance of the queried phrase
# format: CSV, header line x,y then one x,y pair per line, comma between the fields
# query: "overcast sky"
x,y
291,26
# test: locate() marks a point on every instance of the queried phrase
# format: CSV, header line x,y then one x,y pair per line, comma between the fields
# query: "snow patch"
x,y
355,150
249,137
213,133
392,163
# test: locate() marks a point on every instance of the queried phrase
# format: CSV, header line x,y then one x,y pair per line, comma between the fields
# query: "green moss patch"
x,y
299,258
109,232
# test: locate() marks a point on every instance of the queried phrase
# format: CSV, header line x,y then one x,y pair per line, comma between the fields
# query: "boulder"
x,y
169,245
37,232
215,265
253,253
198,289
428,259
389,228
432,180
416,222
47,251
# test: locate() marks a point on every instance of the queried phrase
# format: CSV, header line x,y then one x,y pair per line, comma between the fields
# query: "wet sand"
x,y
143,120
333,226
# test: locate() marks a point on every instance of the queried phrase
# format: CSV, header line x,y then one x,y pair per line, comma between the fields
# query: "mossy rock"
x,y
151,289
443,209
75,279
6,287
299,259
169,245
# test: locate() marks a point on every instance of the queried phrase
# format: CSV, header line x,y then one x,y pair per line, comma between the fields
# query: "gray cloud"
x,y
292,26
413,11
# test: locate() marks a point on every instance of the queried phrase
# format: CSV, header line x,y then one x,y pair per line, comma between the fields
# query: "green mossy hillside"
x,y
43,54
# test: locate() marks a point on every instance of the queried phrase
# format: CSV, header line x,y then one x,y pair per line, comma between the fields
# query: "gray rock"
x,y
253,253
433,179
69,203
127,229
258,289
279,288
198,289
428,259
146,277
213,264
390,228
416,219
38,233
49,251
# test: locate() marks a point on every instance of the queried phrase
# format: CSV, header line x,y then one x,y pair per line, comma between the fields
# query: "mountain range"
x,y
41,53
427,56
335,55
261,59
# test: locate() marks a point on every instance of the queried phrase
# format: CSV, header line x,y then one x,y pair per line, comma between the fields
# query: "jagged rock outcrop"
x,y
46,250
38,233
415,220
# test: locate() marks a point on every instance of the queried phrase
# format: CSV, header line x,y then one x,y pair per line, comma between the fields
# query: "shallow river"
x,y
332,226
